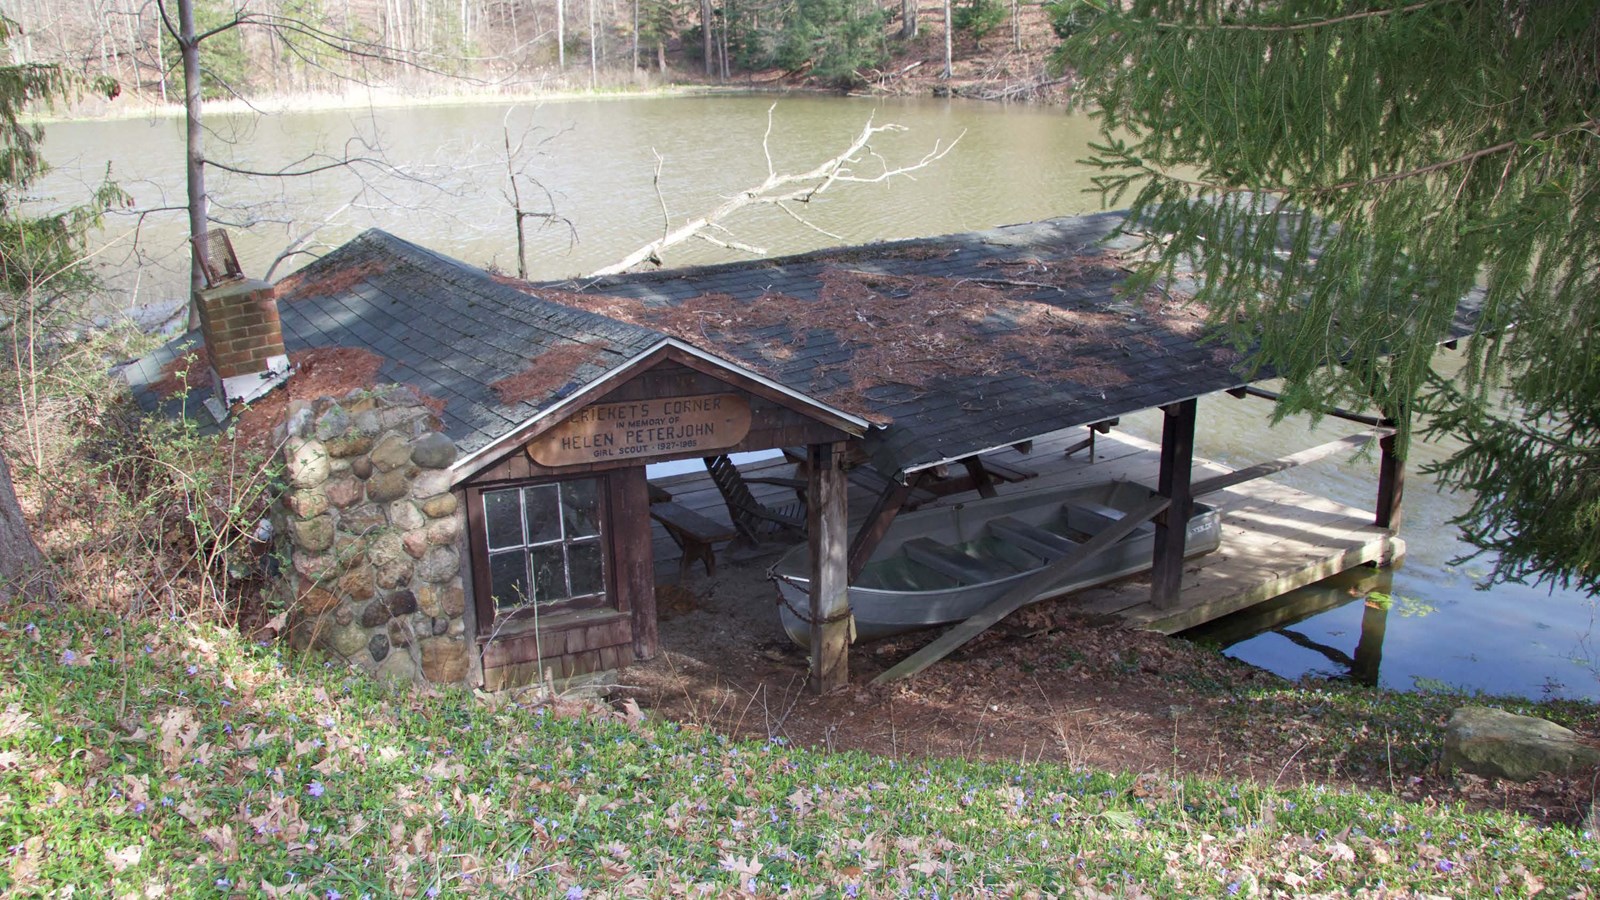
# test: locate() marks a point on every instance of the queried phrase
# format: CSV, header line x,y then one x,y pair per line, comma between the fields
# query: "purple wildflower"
x,y
315,789
575,892
68,657
1446,865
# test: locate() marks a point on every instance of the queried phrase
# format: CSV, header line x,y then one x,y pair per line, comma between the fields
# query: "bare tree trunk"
x,y
636,35
1016,27
908,19
194,135
705,38
949,29
561,35
594,43
22,568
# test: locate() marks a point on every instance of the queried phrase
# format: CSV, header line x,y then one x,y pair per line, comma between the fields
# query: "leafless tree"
x,y
781,190
519,180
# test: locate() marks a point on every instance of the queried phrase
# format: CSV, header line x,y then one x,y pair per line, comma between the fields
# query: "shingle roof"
x,y
1136,358
441,326
452,331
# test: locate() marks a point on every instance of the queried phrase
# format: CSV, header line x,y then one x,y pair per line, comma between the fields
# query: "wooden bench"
x,y
949,561
1047,545
1093,518
1007,472
693,533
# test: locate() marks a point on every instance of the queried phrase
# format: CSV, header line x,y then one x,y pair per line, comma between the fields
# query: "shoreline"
x,y
273,104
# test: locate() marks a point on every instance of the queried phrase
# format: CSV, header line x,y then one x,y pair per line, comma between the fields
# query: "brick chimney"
x,y
239,321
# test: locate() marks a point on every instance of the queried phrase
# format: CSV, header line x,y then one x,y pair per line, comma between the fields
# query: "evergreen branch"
x,y
1130,161
1288,28
1475,155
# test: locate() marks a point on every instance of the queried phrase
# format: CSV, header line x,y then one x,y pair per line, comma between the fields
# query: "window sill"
x,y
551,622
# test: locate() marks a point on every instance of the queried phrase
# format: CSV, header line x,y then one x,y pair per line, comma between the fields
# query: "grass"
x,y
158,756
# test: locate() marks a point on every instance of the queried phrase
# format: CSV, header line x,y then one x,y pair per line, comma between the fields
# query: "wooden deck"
x,y
1275,538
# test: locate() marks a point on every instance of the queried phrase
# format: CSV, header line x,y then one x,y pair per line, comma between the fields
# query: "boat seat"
x,y
949,561
1047,545
1093,518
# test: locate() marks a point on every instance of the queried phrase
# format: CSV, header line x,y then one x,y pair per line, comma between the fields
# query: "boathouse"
x,y
465,494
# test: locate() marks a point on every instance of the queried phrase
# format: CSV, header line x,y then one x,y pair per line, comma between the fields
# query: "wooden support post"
x,y
1172,526
634,556
1391,482
878,521
828,529
1369,649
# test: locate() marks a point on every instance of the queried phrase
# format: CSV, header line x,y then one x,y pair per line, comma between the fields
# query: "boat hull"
x,y
895,594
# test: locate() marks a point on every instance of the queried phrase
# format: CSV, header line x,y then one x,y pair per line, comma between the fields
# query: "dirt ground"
x,y
1045,685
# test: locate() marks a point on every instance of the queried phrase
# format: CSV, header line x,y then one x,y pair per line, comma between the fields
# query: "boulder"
x,y
341,492
314,535
397,667
332,423
306,463
352,443
439,564
439,506
433,451
387,486
404,515
1498,744
444,660
390,453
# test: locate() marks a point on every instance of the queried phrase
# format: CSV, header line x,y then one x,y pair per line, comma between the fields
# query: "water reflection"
x,y
1370,590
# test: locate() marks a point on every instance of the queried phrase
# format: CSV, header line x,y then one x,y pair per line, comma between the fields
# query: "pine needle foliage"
x,y
1340,174
38,248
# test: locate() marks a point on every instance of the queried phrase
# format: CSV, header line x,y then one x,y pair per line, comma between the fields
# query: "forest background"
x,y
423,47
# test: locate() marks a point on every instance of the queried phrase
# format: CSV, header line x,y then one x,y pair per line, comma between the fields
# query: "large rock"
x,y
351,443
390,453
398,667
439,506
439,564
306,463
444,660
433,451
387,486
314,535
1495,743
341,492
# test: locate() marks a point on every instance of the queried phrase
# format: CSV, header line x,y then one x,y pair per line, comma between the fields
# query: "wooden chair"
x,y
756,521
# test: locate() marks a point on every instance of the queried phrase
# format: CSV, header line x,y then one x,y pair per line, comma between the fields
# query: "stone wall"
x,y
374,537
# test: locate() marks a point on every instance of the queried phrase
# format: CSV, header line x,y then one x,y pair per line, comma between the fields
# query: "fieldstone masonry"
x,y
374,536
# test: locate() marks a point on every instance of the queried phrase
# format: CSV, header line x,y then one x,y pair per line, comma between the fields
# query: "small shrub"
x,y
978,17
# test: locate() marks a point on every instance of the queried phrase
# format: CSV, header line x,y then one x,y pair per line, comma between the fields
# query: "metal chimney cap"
x,y
214,251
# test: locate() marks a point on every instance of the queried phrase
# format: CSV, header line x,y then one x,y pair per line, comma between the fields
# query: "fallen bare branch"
x,y
779,189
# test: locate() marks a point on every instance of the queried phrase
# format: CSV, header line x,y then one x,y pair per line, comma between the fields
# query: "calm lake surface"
x,y
437,175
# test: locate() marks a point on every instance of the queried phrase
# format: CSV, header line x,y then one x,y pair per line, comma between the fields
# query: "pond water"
x,y
437,175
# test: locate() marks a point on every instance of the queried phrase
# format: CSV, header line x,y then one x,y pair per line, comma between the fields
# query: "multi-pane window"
x,y
544,545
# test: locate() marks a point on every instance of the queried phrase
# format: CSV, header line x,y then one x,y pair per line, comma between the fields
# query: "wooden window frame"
x,y
491,617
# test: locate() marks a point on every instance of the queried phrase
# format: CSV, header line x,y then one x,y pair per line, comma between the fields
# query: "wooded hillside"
x,y
312,46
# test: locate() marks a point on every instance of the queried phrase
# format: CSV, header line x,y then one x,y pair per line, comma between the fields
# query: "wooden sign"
x,y
608,432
